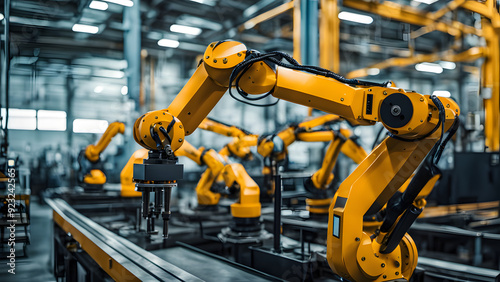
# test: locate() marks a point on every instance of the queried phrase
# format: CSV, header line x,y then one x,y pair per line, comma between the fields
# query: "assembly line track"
x,y
120,258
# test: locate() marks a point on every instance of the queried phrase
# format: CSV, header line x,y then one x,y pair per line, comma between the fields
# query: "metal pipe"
x,y
166,214
5,144
277,211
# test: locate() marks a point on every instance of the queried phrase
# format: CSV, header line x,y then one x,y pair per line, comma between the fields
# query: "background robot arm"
x,y
91,154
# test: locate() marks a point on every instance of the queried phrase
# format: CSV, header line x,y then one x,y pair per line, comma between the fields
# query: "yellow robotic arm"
x,y
92,152
222,128
89,174
234,176
126,181
417,124
242,139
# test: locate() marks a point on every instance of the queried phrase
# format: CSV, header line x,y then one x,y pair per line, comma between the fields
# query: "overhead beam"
x,y
472,54
409,15
266,16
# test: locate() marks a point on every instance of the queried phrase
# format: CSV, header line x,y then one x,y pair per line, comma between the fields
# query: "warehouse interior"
x,y
258,140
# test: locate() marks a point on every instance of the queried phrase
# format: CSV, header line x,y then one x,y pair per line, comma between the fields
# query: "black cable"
x,y
377,137
165,132
156,138
283,60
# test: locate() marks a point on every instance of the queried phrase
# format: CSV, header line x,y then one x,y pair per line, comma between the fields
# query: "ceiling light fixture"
x,y
428,2
85,28
357,18
98,89
124,90
168,43
373,71
206,2
185,29
126,3
429,67
98,5
448,65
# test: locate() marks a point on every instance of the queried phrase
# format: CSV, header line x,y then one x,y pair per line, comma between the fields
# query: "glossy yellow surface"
x,y
126,175
375,179
96,176
92,152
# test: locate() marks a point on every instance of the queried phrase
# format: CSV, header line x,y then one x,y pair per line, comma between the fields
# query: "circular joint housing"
x,y
396,110
168,128
404,114
221,57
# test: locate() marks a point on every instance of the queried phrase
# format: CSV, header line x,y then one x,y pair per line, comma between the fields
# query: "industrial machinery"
x,y
90,173
417,124
273,148
239,147
247,210
127,184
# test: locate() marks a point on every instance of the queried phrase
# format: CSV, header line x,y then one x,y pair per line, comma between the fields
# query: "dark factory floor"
x,y
36,264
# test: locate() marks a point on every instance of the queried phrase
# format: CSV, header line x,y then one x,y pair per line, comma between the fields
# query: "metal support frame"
x,y
296,31
69,85
5,143
491,87
266,16
410,15
430,22
277,211
132,49
472,54
329,35
309,32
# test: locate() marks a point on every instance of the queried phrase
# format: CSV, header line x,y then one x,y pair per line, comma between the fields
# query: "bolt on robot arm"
x,y
417,123
89,175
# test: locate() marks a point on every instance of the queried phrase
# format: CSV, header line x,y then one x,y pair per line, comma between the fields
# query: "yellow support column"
x,y
491,80
296,30
329,30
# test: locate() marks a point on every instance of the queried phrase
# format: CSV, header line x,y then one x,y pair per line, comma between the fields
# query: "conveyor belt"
x,y
210,268
120,258
449,271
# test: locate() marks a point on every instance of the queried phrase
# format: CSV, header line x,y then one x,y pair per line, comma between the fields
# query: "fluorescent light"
x,y
98,89
429,67
206,2
248,25
98,5
82,125
428,2
124,90
109,73
23,119
357,18
448,65
185,29
442,93
126,3
373,71
2,17
168,43
51,120
85,28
